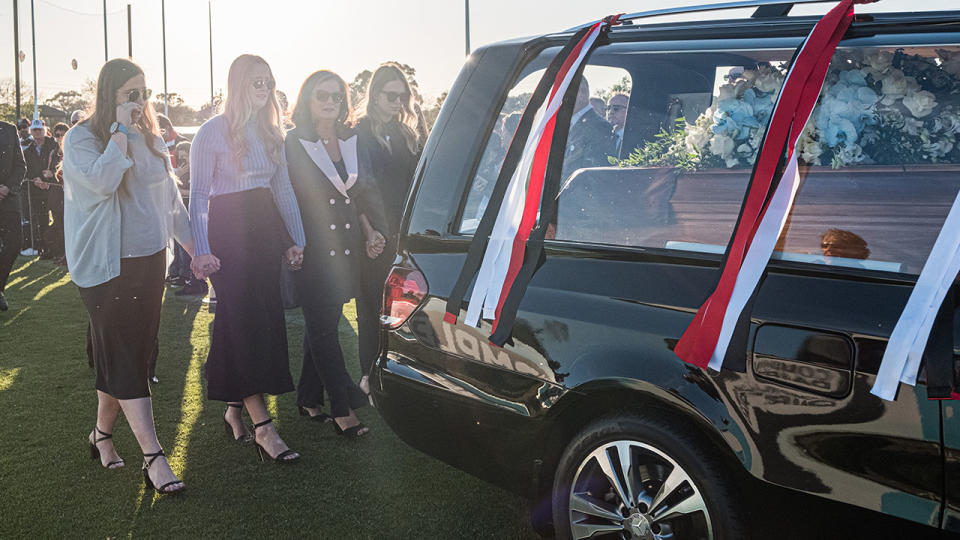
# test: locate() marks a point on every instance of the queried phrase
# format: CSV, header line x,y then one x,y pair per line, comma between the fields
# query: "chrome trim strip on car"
x,y
679,10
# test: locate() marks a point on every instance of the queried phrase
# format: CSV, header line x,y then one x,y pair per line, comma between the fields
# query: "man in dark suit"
x,y
590,140
42,157
12,168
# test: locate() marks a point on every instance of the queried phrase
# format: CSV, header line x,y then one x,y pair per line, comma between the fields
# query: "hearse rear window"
x,y
663,158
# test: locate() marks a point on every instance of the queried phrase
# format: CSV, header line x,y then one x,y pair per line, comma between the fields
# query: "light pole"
x,y
163,25
129,33
210,33
466,10
16,55
106,55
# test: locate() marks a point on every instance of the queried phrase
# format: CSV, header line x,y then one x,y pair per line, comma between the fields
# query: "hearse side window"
x,y
880,156
591,142
505,125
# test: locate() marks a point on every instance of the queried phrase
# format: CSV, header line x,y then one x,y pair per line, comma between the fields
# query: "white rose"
x,y
810,151
920,103
851,153
727,91
879,60
722,145
768,81
697,139
894,86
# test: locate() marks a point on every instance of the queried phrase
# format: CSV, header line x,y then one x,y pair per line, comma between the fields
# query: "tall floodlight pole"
x,y
33,37
466,10
106,55
210,34
163,25
16,55
129,33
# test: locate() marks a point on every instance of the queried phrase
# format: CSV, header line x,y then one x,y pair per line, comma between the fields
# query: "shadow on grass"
x,y
375,487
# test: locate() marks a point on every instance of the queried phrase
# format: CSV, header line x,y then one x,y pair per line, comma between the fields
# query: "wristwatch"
x,y
117,126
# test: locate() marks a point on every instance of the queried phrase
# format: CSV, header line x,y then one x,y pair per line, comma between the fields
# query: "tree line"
x,y
59,106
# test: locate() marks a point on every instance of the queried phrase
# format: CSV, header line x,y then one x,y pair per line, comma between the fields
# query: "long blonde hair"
x,y
409,124
238,109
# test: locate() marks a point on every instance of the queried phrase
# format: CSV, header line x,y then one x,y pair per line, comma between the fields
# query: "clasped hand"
x,y
293,258
375,244
204,265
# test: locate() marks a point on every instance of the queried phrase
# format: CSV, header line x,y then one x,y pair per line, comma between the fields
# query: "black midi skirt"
x,y
248,349
124,321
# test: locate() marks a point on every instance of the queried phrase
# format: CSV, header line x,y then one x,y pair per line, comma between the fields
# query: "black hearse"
x,y
587,405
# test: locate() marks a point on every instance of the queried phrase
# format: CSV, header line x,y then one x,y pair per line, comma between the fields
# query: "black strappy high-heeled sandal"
x,y
322,417
244,438
95,452
353,432
279,458
146,476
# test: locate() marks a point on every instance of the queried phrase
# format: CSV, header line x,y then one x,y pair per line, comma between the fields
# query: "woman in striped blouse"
x,y
245,220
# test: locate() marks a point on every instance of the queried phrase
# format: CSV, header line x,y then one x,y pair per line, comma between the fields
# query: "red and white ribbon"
x,y
706,340
518,212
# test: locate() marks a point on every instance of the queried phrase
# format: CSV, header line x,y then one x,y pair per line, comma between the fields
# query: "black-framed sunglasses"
x,y
393,97
134,95
323,97
616,107
258,84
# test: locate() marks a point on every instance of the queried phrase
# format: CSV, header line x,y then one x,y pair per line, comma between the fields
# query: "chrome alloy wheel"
x,y
631,490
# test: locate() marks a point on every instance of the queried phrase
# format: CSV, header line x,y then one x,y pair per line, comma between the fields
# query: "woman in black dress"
x,y
245,221
121,207
391,133
341,216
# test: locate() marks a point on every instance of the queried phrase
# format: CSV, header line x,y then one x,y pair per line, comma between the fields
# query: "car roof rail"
x,y
765,9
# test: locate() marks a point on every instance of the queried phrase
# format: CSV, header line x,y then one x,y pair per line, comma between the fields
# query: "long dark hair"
x,y
408,120
113,75
303,118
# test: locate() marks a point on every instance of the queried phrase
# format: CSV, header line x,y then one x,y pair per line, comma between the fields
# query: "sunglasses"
x,y
393,97
258,84
134,95
322,97
616,107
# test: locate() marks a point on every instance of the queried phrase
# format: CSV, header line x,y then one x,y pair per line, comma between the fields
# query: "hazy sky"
x,y
295,37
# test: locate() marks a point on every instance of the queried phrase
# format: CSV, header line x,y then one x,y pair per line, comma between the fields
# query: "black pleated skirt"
x,y
248,349
124,322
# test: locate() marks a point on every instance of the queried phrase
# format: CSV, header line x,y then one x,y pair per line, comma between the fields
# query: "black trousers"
x,y
36,202
53,238
323,365
9,240
369,304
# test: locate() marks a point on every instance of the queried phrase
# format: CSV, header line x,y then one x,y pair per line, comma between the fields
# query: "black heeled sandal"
x,y
95,452
322,417
279,458
146,476
354,432
244,438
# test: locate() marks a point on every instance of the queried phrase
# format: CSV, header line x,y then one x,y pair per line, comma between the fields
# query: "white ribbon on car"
x,y
901,359
348,151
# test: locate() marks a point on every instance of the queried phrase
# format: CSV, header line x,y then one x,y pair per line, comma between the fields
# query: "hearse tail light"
x,y
403,293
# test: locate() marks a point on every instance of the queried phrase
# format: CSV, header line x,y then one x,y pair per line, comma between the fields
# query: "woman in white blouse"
x,y
121,206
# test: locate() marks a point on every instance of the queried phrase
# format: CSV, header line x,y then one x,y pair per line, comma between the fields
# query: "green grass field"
x,y
376,487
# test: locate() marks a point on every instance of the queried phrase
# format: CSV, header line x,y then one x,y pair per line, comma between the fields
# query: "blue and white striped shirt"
x,y
213,171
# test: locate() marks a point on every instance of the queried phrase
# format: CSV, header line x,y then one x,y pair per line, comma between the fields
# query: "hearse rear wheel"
x,y
631,477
